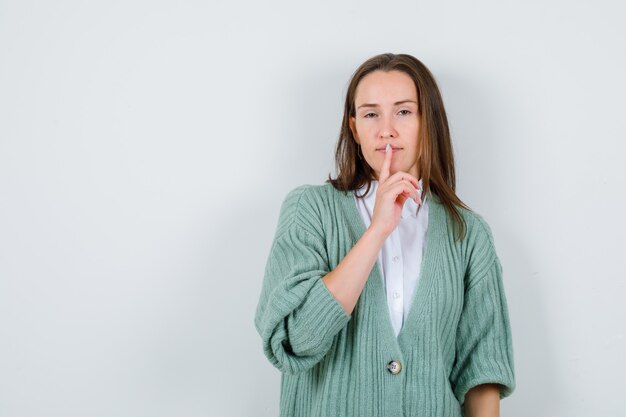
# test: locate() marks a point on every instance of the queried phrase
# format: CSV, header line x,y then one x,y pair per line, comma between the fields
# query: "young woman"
x,y
383,292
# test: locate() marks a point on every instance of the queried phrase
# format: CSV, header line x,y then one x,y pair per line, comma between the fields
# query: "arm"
x,y
484,348
483,401
347,280
303,304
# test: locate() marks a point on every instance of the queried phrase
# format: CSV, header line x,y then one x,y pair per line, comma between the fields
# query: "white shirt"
x,y
400,258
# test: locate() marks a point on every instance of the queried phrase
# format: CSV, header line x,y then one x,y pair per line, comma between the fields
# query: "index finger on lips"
x,y
384,170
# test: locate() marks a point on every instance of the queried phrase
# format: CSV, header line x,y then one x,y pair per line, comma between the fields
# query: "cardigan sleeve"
x,y
297,316
484,348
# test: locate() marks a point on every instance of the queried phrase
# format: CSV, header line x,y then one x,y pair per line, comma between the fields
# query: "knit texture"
x,y
457,334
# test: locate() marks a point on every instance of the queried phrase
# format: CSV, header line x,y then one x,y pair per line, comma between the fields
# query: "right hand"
x,y
391,194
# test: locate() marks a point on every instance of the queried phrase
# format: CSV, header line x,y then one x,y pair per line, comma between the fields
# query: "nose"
x,y
387,130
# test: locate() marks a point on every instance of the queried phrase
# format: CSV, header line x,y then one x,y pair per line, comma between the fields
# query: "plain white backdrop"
x,y
146,147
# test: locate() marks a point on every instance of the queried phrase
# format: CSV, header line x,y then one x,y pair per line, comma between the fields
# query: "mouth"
x,y
394,148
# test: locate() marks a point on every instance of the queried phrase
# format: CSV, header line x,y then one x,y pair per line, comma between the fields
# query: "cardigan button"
x,y
394,367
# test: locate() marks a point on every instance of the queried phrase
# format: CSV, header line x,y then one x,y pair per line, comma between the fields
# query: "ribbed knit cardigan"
x,y
457,334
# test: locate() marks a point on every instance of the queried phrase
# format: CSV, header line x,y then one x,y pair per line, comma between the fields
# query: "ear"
x,y
352,123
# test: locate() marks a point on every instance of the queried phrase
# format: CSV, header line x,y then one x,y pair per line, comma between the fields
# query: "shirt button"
x,y
395,258
396,294
394,367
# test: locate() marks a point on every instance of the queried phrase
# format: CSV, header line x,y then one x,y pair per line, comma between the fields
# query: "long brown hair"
x,y
435,159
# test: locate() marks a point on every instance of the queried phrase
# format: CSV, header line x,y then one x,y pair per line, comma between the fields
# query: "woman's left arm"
x,y
484,346
483,401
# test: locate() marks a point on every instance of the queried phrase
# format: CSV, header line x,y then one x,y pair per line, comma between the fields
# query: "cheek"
x,y
367,135
411,123
364,127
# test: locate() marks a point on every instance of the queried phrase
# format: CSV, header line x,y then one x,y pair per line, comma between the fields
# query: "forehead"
x,y
382,87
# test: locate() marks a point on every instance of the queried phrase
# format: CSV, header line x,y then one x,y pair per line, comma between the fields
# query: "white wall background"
x,y
146,146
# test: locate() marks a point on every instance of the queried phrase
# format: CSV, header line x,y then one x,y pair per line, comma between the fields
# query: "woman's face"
x,y
386,112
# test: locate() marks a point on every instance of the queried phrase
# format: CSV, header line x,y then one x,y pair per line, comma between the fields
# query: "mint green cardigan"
x,y
334,364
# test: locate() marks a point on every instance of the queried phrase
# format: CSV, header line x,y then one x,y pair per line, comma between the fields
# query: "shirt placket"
x,y
395,283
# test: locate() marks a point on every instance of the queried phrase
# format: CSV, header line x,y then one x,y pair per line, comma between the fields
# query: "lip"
x,y
383,149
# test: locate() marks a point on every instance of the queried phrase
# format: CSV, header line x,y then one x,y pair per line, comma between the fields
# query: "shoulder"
x,y
478,227
305,205
479,244
293,197
304,197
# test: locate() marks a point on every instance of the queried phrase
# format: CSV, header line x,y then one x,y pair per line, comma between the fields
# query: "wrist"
x,y
376,234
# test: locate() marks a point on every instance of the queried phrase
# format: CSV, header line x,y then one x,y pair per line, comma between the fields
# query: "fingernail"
x,y
387,148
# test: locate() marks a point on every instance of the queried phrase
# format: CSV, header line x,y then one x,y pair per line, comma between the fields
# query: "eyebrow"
x,y
395,104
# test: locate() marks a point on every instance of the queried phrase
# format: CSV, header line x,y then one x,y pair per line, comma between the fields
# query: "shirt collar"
x,y
410,208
